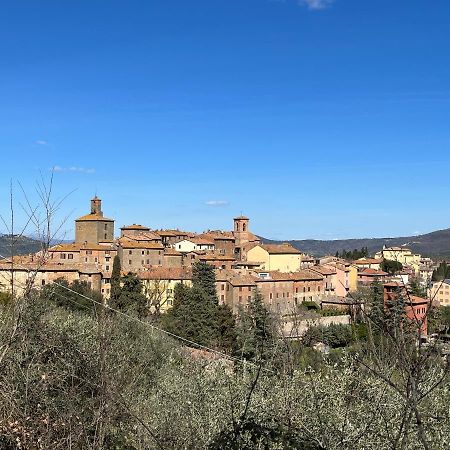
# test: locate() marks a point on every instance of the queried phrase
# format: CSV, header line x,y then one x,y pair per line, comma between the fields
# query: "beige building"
x,y
134,256
440,292
36,274
94,227
224,241
402,255
283,258
159,285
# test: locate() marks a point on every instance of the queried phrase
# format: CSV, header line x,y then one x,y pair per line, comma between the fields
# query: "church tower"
x,y
241,236
94,228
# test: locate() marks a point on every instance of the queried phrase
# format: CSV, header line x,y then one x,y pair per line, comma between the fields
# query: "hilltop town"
x,y
161,258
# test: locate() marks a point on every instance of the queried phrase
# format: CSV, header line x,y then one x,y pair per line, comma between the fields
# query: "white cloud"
x,y
217,203
316,4
41,142
72,169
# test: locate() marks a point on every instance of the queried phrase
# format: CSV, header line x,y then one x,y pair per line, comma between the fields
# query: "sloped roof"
x,y
280,249
135,226
372,272
166,273
93,218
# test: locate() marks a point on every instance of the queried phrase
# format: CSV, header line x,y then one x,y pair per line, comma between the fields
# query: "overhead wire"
x,y
168,333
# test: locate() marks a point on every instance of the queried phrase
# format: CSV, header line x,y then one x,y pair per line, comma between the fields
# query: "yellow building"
x,y
283,258
400,254
353,278
440,292
159,285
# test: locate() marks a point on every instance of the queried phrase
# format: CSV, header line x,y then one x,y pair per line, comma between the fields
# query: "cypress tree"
x,y
115,280
204,279
226,328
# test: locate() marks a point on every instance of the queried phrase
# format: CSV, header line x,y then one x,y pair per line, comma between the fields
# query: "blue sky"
x,y
318,119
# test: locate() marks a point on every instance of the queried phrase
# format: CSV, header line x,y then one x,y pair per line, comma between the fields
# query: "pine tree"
x,y
441,273
376,308
256,330
193,317
131,299
417,288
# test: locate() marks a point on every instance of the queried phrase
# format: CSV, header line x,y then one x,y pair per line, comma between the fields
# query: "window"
x,y
287,294
107,259
249,297
88,252
106,236
148,261
70,256
222,297
85,259
142,262
223,287
129,262
62,256
96,259
43,282
107,268
143,252
271,296
130,252
106,226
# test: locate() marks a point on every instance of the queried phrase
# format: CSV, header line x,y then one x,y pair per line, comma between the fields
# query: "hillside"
x,y
22,245
435,244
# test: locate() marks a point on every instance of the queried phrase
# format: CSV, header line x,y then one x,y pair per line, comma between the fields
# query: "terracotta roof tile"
x,y
93,217
280,249
166,273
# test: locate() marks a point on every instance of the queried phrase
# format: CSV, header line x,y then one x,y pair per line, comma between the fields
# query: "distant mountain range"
x,y
23,245
436,244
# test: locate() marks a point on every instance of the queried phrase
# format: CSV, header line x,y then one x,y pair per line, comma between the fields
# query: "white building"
x,y
194,244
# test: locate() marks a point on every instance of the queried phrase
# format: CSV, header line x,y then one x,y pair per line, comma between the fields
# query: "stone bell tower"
x,y
94,228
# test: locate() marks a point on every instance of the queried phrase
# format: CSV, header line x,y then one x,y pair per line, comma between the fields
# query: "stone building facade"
x,y
94,227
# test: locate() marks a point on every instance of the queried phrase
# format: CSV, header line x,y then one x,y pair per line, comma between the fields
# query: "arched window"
x,y
244,227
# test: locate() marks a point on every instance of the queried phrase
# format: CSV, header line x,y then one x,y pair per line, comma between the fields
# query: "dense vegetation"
x,y
442,272
351,255
75,375
391,266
